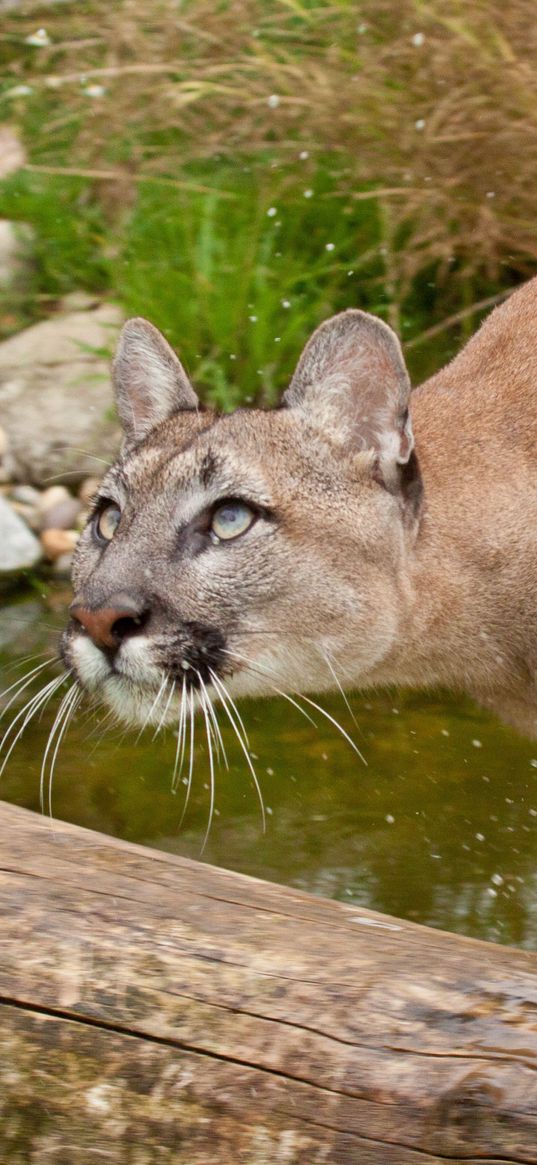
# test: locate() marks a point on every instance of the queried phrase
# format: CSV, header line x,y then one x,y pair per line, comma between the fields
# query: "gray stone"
x,y
27,495
56,397
62,516
19,549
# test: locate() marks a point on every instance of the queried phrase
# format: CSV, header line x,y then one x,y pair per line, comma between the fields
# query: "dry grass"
x,y
432,101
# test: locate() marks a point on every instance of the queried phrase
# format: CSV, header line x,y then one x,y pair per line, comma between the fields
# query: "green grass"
x,y
236,277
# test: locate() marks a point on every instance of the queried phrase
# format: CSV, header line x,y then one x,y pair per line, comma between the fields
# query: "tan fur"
x,y
344,571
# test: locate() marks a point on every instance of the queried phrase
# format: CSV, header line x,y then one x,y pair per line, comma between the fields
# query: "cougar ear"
x,y
352,382
150,382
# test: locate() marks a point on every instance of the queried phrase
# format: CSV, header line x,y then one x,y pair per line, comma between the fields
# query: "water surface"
x,y
440,827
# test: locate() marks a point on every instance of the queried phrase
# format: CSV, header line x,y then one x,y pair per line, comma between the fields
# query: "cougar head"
x,y
252,552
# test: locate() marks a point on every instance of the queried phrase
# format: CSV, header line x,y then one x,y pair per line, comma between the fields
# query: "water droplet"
x,y
39,38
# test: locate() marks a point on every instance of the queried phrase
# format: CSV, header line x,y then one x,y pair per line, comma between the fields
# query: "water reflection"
x,y
440,827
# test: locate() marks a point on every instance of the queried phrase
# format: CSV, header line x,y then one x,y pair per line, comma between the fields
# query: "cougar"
x,y
356,535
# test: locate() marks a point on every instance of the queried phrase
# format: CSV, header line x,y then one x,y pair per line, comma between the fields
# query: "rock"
x,y
58,542
62,516
27,495
78,301
56,397
29,514
19,548
53,496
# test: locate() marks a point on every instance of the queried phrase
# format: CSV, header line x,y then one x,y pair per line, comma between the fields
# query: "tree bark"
x,y
158,1010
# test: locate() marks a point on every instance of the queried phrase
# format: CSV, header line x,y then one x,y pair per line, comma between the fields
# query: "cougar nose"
x,y
109,626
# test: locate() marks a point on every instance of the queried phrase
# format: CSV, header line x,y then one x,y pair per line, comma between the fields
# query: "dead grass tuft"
x,y
427,105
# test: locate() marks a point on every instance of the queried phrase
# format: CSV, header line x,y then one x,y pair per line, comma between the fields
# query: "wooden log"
x,y
155,1009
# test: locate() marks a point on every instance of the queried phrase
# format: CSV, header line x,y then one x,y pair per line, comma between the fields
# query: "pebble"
x,y
27,495
52,497
29,514
56,542
20,549
62,515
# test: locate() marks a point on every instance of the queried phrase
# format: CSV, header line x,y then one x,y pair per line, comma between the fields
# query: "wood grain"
x,y
155,1009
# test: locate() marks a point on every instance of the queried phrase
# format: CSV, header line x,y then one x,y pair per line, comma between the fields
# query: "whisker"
x,y
165,712
337,725
206,700
181,741
18,663
32,706
23,683
72,700
224,696
313,704
191,759
330,665
220,742
51,736
263,671
211,761
76,449
154,705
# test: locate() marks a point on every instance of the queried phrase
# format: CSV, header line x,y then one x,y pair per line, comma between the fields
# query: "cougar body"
x,y
356,535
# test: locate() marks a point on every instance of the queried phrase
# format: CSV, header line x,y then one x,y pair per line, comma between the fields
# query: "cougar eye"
x,y
231,519
106,522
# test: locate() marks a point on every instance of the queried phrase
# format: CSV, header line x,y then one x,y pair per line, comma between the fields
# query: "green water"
x,y
440,827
